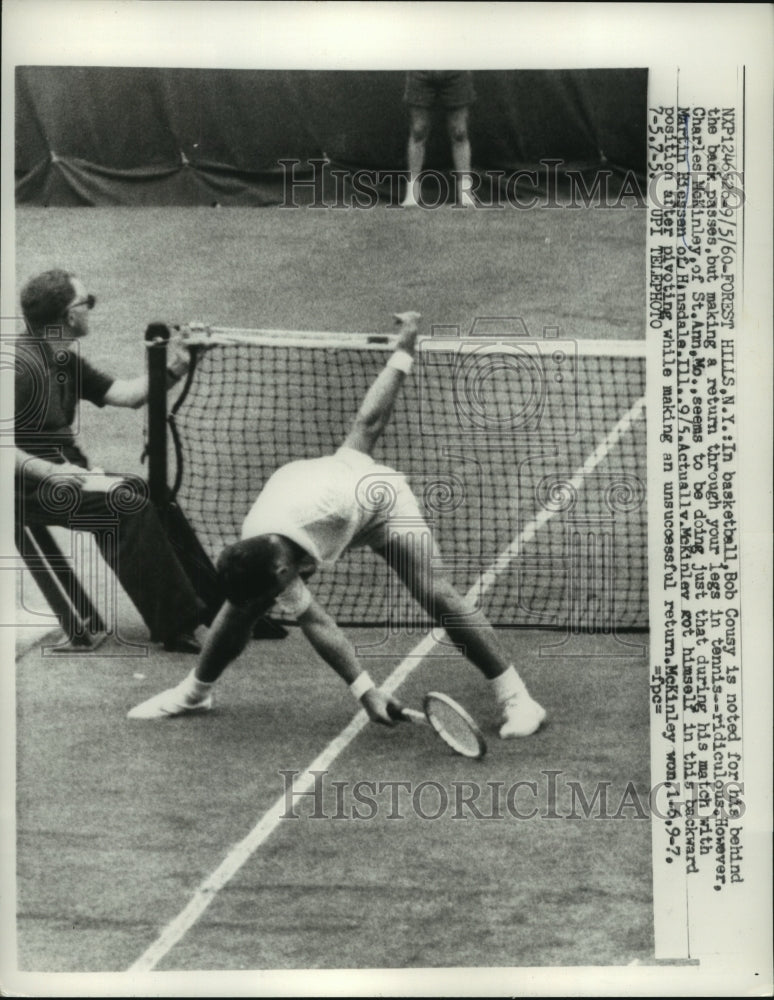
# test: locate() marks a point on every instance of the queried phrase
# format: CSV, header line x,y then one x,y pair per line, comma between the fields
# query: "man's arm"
x,y
338,652
377,406
129,392
133,392
36,469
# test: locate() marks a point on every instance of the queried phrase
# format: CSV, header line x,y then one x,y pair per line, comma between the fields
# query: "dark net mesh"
x,y
528,462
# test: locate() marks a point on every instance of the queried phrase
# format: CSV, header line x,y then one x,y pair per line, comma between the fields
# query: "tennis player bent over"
x,y
307,515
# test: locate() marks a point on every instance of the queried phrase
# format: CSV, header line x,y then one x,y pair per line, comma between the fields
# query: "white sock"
x,y
194,689
507,685
411,191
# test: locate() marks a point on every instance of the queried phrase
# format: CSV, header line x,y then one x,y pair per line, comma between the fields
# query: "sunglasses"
x,y
90,301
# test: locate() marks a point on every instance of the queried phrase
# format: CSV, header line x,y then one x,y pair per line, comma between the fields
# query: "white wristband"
x,y
401,360
360,685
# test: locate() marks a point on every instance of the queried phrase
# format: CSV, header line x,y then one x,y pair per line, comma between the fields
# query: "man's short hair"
x,y
248,570
45,298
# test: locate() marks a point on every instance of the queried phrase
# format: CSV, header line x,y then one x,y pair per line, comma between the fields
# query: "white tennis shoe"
x,y
174,701
521,716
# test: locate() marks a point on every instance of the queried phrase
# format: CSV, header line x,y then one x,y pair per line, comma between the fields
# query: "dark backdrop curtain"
x,y
133,136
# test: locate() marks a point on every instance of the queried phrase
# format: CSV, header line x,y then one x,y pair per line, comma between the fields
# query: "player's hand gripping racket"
x,y
451,722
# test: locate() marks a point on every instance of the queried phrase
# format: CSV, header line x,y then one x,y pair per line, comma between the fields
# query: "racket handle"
x,y
413,715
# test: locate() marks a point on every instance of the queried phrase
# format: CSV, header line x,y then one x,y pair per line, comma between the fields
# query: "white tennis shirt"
x,y
318,503
328,505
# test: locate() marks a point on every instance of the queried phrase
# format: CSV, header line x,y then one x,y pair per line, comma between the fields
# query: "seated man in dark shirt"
x,y
53,486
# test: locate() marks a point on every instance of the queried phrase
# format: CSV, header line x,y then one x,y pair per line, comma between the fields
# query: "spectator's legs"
x,y
457,124
419,128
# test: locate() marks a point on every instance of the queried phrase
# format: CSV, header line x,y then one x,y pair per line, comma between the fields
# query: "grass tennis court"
x,y
119,822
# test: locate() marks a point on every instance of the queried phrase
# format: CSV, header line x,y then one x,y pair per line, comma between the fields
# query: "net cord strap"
x,y
197,335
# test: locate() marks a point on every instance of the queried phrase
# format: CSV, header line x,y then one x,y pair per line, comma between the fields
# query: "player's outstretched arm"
x,y
338,652
377,406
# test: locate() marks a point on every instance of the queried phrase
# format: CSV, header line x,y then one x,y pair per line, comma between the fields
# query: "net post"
x,y
156,339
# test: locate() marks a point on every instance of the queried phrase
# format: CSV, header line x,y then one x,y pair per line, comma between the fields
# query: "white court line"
x,y
304,782
270,820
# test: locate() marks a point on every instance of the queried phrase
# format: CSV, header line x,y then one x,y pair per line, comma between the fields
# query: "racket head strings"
x,y
454,725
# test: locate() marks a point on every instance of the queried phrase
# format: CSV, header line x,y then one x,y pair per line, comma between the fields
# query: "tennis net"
x,y
528,459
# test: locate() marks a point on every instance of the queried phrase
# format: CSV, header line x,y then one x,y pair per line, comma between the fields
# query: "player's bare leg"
x,y
227,638
467,626
419,128
469,630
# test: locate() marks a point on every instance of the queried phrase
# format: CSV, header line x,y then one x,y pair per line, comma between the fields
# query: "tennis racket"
x,y
451,723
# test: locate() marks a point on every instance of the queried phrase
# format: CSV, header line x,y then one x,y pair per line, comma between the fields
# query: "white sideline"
x,y
271,819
